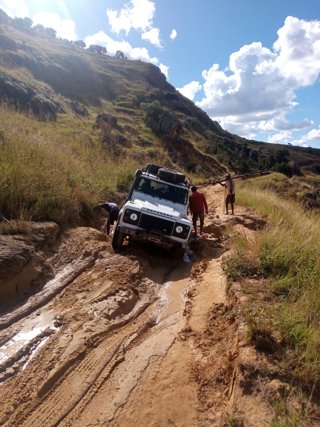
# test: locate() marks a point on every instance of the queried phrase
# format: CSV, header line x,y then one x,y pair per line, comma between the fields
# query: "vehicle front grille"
x,y
160,213
149,223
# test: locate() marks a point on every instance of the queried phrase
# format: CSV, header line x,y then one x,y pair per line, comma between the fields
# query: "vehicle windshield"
x,y
162,190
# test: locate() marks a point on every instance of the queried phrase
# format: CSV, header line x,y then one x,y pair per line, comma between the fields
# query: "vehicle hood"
x,y
158,208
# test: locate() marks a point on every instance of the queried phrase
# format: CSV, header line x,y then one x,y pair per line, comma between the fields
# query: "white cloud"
x,y
258,89
234,124
280,138
283,124
164,69
273,129
153,36
143,54
312,136
280,123
65,28
102,39
137,15
173,34
298,49
190,89
15,8
254,85
135,53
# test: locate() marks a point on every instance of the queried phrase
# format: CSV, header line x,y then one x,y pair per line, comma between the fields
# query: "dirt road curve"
x,y
132,339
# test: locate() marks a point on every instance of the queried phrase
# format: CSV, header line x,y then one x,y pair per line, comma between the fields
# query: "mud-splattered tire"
x,y
117,240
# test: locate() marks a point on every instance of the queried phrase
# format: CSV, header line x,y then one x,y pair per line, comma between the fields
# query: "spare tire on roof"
x,y
153,169
171,176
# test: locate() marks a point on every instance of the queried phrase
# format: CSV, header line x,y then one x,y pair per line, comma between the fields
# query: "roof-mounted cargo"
x,y
165,174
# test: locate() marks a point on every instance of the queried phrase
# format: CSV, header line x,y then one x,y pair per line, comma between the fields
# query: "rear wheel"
x,y
117,240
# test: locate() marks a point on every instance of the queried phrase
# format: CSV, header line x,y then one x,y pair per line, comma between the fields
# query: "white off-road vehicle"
x,y
155,210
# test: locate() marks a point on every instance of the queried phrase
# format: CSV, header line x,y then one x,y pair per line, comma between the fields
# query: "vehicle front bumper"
x,y
153,236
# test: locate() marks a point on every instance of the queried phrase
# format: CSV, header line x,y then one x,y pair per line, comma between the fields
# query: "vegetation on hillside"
x,y
57,171
48,77
60,170
56,164
280,269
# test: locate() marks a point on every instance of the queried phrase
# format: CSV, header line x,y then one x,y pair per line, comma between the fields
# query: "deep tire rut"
x,y
131,339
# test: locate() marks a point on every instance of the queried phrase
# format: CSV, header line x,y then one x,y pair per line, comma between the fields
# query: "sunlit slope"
x,y
50,77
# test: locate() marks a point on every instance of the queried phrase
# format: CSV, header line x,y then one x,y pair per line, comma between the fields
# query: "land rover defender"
x,y
155,210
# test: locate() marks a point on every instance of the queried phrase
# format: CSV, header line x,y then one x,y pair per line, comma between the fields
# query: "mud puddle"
x,y
172,298
30,330
131,344
142,350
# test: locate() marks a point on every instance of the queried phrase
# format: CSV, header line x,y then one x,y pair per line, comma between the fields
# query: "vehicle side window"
x,y
144,186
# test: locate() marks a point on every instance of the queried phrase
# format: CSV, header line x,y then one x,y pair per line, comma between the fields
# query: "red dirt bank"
x,y
138,338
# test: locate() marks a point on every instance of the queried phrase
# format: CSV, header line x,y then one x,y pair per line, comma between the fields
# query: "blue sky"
x,y
252,65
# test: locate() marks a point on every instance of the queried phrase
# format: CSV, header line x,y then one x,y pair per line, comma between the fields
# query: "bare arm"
x,y
205,204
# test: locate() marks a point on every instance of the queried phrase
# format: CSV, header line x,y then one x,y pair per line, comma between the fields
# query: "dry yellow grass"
x,y
286,254
56,171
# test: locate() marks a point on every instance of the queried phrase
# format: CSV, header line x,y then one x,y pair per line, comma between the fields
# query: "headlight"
x,y
131,217
181,231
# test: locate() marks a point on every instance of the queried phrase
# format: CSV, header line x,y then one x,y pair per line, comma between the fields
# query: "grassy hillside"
x,y
57,163
280,271
56,170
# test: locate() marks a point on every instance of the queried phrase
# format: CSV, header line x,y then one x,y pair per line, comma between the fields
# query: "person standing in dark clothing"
x,y
230,193
113,213
198,206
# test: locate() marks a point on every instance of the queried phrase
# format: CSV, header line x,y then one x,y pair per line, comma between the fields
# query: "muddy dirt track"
x,y
139,338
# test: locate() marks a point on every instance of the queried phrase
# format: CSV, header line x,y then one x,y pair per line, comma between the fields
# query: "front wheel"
x,y
117,240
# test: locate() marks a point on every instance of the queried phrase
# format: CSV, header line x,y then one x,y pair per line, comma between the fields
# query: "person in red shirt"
x,y
198,206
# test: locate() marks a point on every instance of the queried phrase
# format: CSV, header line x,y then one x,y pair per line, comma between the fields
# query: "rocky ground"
x,y
138,338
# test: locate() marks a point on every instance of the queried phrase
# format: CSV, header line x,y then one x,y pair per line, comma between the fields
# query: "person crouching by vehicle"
x,y
198,206
230,193
113,213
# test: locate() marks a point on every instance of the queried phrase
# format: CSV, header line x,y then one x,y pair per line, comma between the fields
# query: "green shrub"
x,y
124,181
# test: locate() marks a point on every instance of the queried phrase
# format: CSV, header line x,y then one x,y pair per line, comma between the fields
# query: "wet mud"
x,y
135,338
